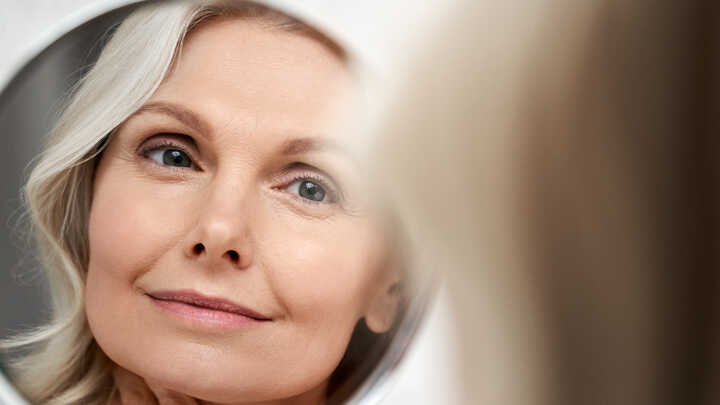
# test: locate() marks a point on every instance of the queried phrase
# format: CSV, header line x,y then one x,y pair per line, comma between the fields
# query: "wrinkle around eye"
x,y
292,176
148,147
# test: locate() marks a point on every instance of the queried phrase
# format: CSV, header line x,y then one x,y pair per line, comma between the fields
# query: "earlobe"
x,y
383,309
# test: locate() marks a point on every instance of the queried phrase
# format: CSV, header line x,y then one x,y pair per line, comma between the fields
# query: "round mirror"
x,y
190,217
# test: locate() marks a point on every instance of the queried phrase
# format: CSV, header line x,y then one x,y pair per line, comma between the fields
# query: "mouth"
x,y
201,307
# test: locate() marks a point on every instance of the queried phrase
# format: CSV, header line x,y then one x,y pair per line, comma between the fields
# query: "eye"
x,y
170,157
308,189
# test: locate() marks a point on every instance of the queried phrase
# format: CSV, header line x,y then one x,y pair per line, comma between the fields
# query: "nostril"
x,y
234,256
198,248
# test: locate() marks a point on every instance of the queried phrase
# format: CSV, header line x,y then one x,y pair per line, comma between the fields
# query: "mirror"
x,y
202,229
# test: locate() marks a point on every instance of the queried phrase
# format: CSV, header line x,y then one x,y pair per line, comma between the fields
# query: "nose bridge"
x,y
228,192
223,229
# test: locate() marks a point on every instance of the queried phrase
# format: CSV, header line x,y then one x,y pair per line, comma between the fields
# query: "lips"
x,y
198,300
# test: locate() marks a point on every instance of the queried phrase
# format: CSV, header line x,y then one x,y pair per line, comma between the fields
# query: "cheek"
x,y
326,271
133,221
324,275
129,229
126,228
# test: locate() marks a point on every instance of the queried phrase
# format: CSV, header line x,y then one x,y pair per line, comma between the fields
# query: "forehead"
x,y
242,74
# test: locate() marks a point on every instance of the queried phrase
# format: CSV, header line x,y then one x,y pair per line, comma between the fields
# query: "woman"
x,y
207,237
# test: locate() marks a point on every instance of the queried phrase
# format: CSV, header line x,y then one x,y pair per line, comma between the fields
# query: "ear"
x,y
383,307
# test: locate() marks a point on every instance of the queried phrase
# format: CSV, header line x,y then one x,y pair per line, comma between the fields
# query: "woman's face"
x,y
231,251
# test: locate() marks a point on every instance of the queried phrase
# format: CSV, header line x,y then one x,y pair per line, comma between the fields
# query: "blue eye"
x,y
170,157
308,190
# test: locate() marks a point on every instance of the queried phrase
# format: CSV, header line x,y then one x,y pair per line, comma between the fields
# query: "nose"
x,y
221,236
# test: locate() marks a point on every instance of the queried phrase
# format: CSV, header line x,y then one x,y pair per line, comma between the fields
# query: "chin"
x,y
222,390
222,381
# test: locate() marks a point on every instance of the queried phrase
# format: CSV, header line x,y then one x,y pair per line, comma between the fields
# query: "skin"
x,y
235,105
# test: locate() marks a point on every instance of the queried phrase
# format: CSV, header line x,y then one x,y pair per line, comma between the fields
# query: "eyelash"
x,y
167,144
332,194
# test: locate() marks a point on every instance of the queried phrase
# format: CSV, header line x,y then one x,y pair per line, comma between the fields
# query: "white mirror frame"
x,y
379,384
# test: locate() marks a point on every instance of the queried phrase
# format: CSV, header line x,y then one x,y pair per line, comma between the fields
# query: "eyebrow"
x,y
293,146
298,146
180,113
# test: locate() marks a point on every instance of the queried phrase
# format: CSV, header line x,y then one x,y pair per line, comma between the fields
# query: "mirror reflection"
x,y
205,233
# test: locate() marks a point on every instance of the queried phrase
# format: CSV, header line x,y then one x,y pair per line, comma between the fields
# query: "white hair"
x,y
62,363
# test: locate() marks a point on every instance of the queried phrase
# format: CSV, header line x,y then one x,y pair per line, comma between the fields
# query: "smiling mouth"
x,y
196,305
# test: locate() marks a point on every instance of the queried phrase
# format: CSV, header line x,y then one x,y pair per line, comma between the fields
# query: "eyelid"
x,y
166,141
301,171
